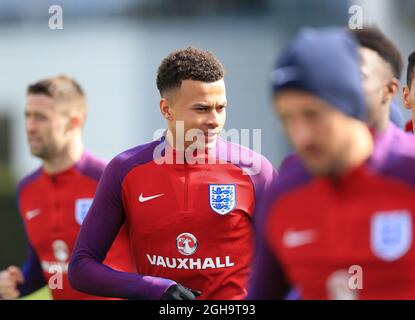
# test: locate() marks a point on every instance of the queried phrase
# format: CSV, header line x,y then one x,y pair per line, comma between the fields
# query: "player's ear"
x,y
394,87
165,108
75,120
391,89
405,91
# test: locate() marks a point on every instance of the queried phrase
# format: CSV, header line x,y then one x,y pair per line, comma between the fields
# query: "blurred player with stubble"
x,y
54,199
381,66
360,195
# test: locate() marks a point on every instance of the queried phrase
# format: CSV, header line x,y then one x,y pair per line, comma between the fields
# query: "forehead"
x,y
204,91
296,101
371,60
39,102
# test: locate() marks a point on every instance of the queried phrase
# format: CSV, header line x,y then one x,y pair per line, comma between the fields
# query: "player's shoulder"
x,y
395,155
292,177
291,162
28,180
91,166
294,196
130,158
403,143
252,162
395,142
292,174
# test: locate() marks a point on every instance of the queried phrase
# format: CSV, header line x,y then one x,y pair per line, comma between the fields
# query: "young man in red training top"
x,y
188,202
54,199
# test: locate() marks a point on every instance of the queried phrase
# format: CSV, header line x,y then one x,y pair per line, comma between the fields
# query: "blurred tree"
x,y
12,248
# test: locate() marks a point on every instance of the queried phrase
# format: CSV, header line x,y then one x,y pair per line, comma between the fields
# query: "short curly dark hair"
x,y
188,64
373,38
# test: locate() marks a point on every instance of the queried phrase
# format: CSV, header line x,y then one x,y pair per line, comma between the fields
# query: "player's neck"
x,y
383,122
171,140
361,147
65,159
177,142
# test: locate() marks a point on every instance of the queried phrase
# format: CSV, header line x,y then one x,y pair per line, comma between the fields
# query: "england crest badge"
x,y
391,234
222,198
81,209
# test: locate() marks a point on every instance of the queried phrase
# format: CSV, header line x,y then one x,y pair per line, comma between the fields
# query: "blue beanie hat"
x,y
324,62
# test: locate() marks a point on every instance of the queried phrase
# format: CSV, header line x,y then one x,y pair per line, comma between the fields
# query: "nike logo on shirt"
x,y
32,213
144,199
293,239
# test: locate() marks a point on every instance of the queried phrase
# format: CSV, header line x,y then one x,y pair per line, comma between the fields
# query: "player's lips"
x,y
34,140
210,134
312,152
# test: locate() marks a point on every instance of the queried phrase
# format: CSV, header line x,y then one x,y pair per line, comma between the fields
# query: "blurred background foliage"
x,y
113,48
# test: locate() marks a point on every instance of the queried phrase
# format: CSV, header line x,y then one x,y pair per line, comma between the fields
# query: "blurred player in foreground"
x,y
187,198
54,199
381,66
409,90
356,214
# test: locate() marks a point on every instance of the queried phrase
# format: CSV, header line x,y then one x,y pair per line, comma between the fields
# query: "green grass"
x,y
41,294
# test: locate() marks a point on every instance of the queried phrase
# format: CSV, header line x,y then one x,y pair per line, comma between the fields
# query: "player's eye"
x,y
284,118
40,117
311,115
202,109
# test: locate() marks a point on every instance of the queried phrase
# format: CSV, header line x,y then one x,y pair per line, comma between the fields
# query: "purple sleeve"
x,y
98,231
263,182
32,272
31,268
268,281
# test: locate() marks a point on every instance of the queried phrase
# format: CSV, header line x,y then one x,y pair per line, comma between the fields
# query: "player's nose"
x,y
299,135
30,125
213,119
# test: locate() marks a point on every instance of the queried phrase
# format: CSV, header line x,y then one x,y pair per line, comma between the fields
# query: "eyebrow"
x,y
34,112
203,105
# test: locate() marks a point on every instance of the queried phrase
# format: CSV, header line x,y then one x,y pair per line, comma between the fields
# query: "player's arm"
x,y
88,274
268,281
32,273
18,282
9,281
